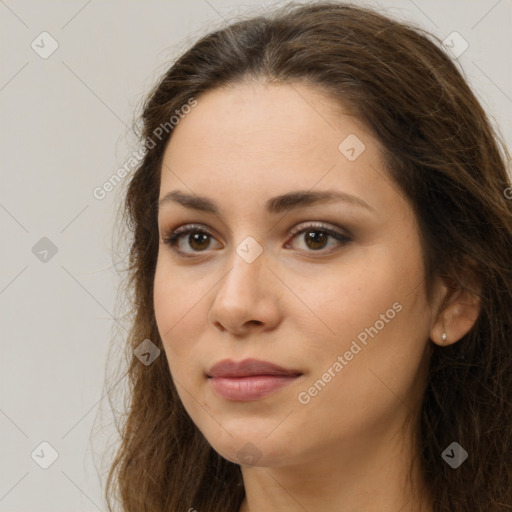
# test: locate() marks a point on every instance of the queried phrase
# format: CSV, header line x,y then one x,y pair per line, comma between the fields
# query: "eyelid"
x,y
188,227
320,226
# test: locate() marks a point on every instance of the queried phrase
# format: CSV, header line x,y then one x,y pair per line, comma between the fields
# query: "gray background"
x,y
65,130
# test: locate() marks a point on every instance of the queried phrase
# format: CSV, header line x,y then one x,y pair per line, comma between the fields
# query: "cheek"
x,y
178,305
374,310
380,317
353,296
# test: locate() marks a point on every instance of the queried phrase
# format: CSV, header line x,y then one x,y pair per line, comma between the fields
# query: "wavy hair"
x,y
444,154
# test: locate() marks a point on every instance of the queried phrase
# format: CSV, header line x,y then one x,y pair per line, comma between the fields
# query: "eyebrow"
x,y
274,205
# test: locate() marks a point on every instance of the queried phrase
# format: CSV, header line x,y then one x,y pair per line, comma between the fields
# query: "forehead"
x,y
257,119
256,140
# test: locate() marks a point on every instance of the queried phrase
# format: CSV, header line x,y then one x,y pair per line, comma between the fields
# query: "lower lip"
x,y
249,388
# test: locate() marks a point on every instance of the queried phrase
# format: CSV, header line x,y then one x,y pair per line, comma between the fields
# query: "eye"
x,y
198,239
316,236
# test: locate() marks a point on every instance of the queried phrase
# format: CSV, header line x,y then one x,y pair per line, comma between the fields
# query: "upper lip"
x,y
247,368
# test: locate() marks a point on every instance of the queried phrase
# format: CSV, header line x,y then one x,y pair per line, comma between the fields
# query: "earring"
x,y
443,337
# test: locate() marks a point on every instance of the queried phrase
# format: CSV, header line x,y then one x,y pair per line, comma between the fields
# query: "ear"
x,y
457,309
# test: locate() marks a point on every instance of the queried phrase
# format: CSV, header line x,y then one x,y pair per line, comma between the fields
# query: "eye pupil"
x,y
319,239
198,238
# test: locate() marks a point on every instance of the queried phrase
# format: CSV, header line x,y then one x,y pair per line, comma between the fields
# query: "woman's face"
x,y
341,305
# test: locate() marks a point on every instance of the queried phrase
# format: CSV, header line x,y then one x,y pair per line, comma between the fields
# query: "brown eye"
x,y
198,241
191,240
316,237
188,237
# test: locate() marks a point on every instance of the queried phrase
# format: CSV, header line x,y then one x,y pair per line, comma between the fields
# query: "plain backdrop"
x,y
65,129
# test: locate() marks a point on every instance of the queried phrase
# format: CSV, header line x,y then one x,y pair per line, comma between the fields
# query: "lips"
x,y
248,368
248,380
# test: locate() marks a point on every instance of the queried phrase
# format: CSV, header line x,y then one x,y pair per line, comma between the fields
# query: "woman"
x,y
322,253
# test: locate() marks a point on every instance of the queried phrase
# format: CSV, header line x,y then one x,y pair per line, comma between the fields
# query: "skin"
x,y
298,304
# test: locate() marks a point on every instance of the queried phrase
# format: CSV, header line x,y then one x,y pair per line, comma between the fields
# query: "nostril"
x,y
256,322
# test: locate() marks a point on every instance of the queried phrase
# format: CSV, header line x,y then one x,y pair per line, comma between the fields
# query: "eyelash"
x,y
172,238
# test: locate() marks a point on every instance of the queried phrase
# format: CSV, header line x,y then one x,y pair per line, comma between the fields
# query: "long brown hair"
x,y
450,163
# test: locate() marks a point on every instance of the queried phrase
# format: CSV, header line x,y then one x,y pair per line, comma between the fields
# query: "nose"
x,y
245,299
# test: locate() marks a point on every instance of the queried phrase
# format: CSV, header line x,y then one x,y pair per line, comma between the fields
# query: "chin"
x,y
251,449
